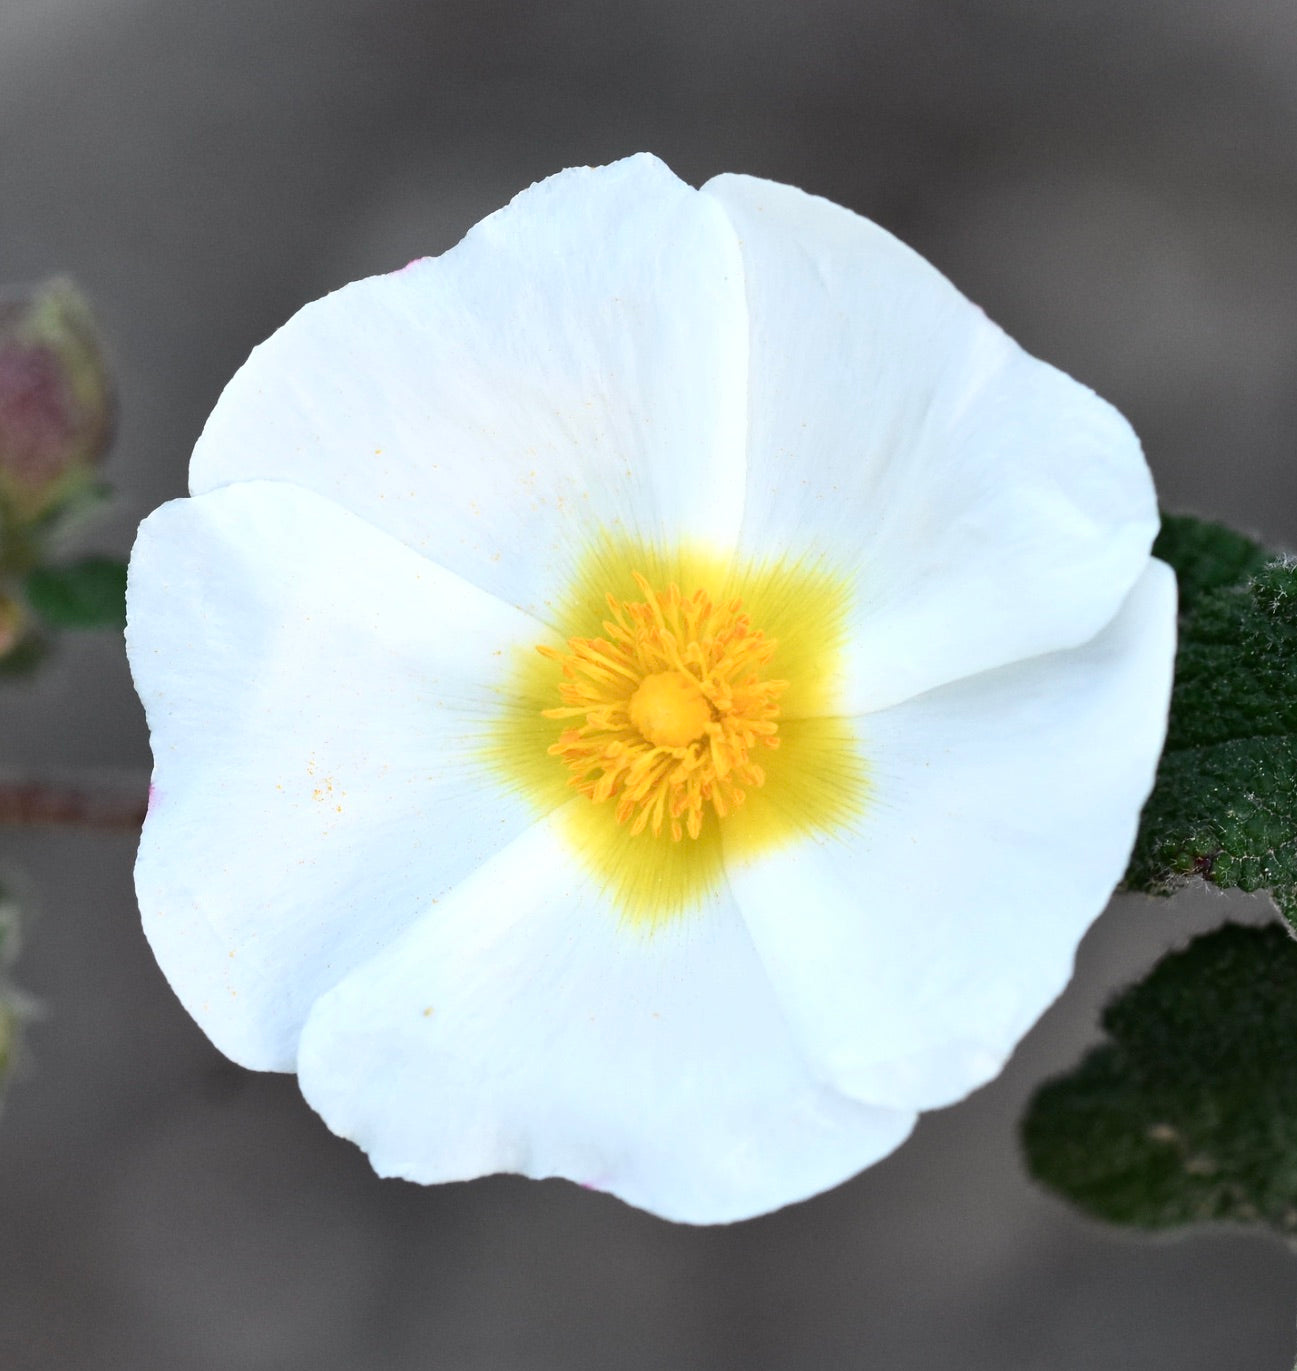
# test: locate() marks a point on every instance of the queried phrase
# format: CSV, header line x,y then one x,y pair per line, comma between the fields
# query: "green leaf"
x,y
90,593
1189,1113
1206,556
1224,806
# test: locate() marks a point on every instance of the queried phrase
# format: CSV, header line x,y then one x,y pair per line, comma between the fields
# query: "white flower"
x,y
853,677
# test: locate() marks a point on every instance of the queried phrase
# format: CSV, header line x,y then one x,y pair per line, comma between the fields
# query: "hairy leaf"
x,y
1189,1112
1224,806
1206,556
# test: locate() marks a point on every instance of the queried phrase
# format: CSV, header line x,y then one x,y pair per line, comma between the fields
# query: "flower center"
x,y
667,710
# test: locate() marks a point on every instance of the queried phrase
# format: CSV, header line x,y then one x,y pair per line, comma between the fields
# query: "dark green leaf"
x,y
1206,556
1224,806
90,593
1189,1112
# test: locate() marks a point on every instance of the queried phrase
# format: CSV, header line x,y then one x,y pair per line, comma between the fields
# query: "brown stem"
x,y
114,804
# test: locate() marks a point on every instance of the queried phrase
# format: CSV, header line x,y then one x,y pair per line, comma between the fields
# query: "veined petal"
x,y
577,363
993,509
522,1026
912,954
318,696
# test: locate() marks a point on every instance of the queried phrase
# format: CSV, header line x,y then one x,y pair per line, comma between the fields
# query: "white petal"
x,y
912,954
316,694
988,507
523,1027
577,363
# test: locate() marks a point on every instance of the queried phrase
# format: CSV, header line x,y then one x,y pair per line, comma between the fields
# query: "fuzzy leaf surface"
x,y
1224,806
1189,1113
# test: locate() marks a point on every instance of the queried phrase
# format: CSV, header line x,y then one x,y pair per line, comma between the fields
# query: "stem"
x,y
112,802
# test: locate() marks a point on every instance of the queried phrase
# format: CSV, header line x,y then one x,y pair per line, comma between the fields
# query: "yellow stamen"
x,y
666,711
802,770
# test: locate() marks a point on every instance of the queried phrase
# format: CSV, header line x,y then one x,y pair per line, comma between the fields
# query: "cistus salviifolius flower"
x,y
654,695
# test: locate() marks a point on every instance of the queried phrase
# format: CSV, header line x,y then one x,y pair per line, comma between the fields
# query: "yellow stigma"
x,y
670,709
667,709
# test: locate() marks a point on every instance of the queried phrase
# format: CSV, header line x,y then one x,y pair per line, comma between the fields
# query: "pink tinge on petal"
x,y
153,799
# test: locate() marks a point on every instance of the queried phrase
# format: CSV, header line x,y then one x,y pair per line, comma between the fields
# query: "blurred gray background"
x,y
1115,183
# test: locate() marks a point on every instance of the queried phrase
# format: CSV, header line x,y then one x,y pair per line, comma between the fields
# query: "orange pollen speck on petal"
x,y
667,712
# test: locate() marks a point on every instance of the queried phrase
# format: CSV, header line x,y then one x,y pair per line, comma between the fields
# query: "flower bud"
x,y
56,403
